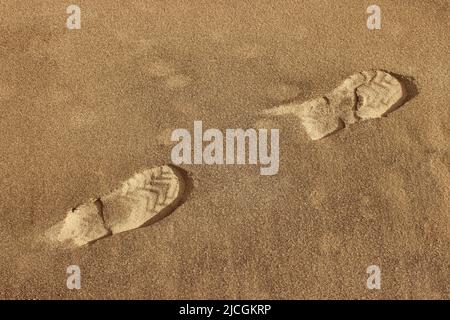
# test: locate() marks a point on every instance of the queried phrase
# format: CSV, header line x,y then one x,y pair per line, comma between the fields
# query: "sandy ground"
x,y
85,109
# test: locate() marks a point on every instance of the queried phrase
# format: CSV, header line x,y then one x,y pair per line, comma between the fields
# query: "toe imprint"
x,y
362,96
145,197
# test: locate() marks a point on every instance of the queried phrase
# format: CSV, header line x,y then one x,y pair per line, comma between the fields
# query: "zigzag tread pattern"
x,y
156,187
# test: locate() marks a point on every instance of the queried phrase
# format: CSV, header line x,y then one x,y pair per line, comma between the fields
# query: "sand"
x,y
362,96
143,199
83,110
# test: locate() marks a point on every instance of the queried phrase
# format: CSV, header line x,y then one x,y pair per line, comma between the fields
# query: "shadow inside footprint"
x,y
409,86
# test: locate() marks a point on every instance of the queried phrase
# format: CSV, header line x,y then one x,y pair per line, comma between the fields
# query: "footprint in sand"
x,y
282,92
159,68
143,199
362,96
